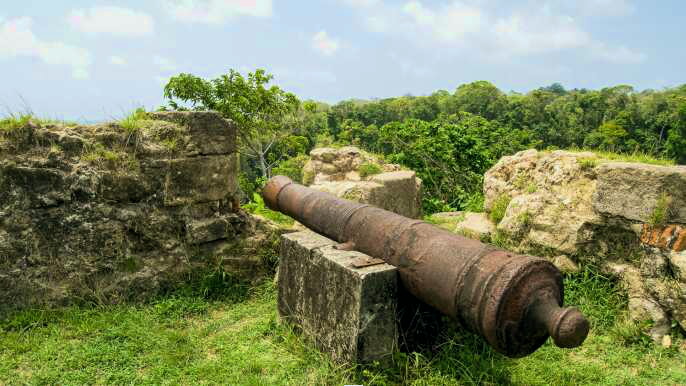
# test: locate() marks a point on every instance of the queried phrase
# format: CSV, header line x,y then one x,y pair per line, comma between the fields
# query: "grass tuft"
x,y
661,211
637,157
369,169
499,208
587,164
134,122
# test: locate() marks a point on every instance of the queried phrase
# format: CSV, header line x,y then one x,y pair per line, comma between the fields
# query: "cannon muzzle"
x,y
513,301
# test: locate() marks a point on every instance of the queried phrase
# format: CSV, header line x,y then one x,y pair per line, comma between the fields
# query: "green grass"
x,y
369,169
102,157
637,157
134,122
499,208
258,207
587,164
661,211
187,338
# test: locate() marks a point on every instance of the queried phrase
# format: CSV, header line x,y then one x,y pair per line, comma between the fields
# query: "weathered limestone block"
x,y
199,179
633,190
34,187
347,312
550,197
209,133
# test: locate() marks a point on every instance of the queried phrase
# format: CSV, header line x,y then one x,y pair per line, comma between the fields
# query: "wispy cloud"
x,y
115,21
17,39
216,11
324,44
486,28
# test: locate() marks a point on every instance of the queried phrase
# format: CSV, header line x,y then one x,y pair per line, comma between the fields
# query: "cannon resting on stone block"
x,y
512,301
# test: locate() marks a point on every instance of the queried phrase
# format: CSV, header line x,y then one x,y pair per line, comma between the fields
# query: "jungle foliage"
x,y
449,138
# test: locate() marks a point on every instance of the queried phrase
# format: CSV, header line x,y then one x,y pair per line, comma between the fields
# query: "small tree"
x,y
258,111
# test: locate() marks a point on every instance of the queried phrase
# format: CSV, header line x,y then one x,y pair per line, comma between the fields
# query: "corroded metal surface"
x,y
513,301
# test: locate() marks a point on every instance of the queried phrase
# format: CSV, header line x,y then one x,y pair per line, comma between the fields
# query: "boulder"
x,y
629,218
550,199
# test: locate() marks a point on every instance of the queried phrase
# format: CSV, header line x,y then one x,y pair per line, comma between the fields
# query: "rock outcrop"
x,y
355,175
109,213
628,218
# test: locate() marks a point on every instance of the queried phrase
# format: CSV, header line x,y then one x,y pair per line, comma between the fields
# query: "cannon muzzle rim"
x,y
271,190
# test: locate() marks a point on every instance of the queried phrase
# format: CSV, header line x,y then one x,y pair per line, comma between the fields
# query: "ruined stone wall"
x,y
117,212
627,218
356,175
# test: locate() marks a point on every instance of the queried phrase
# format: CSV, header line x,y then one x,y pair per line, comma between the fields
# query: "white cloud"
x,y
449,23
118,60
164,64
488,28
112,20
531,34
216,11
324,44
17,39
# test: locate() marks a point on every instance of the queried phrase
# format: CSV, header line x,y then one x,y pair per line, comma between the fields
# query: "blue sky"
x,y
97,60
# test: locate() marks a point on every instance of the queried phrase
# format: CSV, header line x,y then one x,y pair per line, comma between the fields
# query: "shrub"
x,y
292,168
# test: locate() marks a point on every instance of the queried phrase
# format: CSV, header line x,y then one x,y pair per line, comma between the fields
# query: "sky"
x,y
98,60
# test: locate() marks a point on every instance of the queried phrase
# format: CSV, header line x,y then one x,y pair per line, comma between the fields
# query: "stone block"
x,y
200,179
347,312
210,134
633,190
206,230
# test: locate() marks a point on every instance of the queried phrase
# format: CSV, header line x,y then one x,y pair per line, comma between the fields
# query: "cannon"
x,y
513,301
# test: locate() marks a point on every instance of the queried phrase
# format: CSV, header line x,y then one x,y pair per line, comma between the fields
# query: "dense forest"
x,y
449,138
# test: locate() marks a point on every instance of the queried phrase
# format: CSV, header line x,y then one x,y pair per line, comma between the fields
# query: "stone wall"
x,y
627,218
110,213
343,173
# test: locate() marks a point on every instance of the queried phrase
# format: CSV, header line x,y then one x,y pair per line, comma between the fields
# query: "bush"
x,y
292,168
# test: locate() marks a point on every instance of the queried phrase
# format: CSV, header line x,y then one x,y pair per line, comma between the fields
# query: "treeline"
x,y
449,138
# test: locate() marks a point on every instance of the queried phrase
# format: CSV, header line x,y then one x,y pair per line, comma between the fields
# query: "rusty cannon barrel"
x,y
513,301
